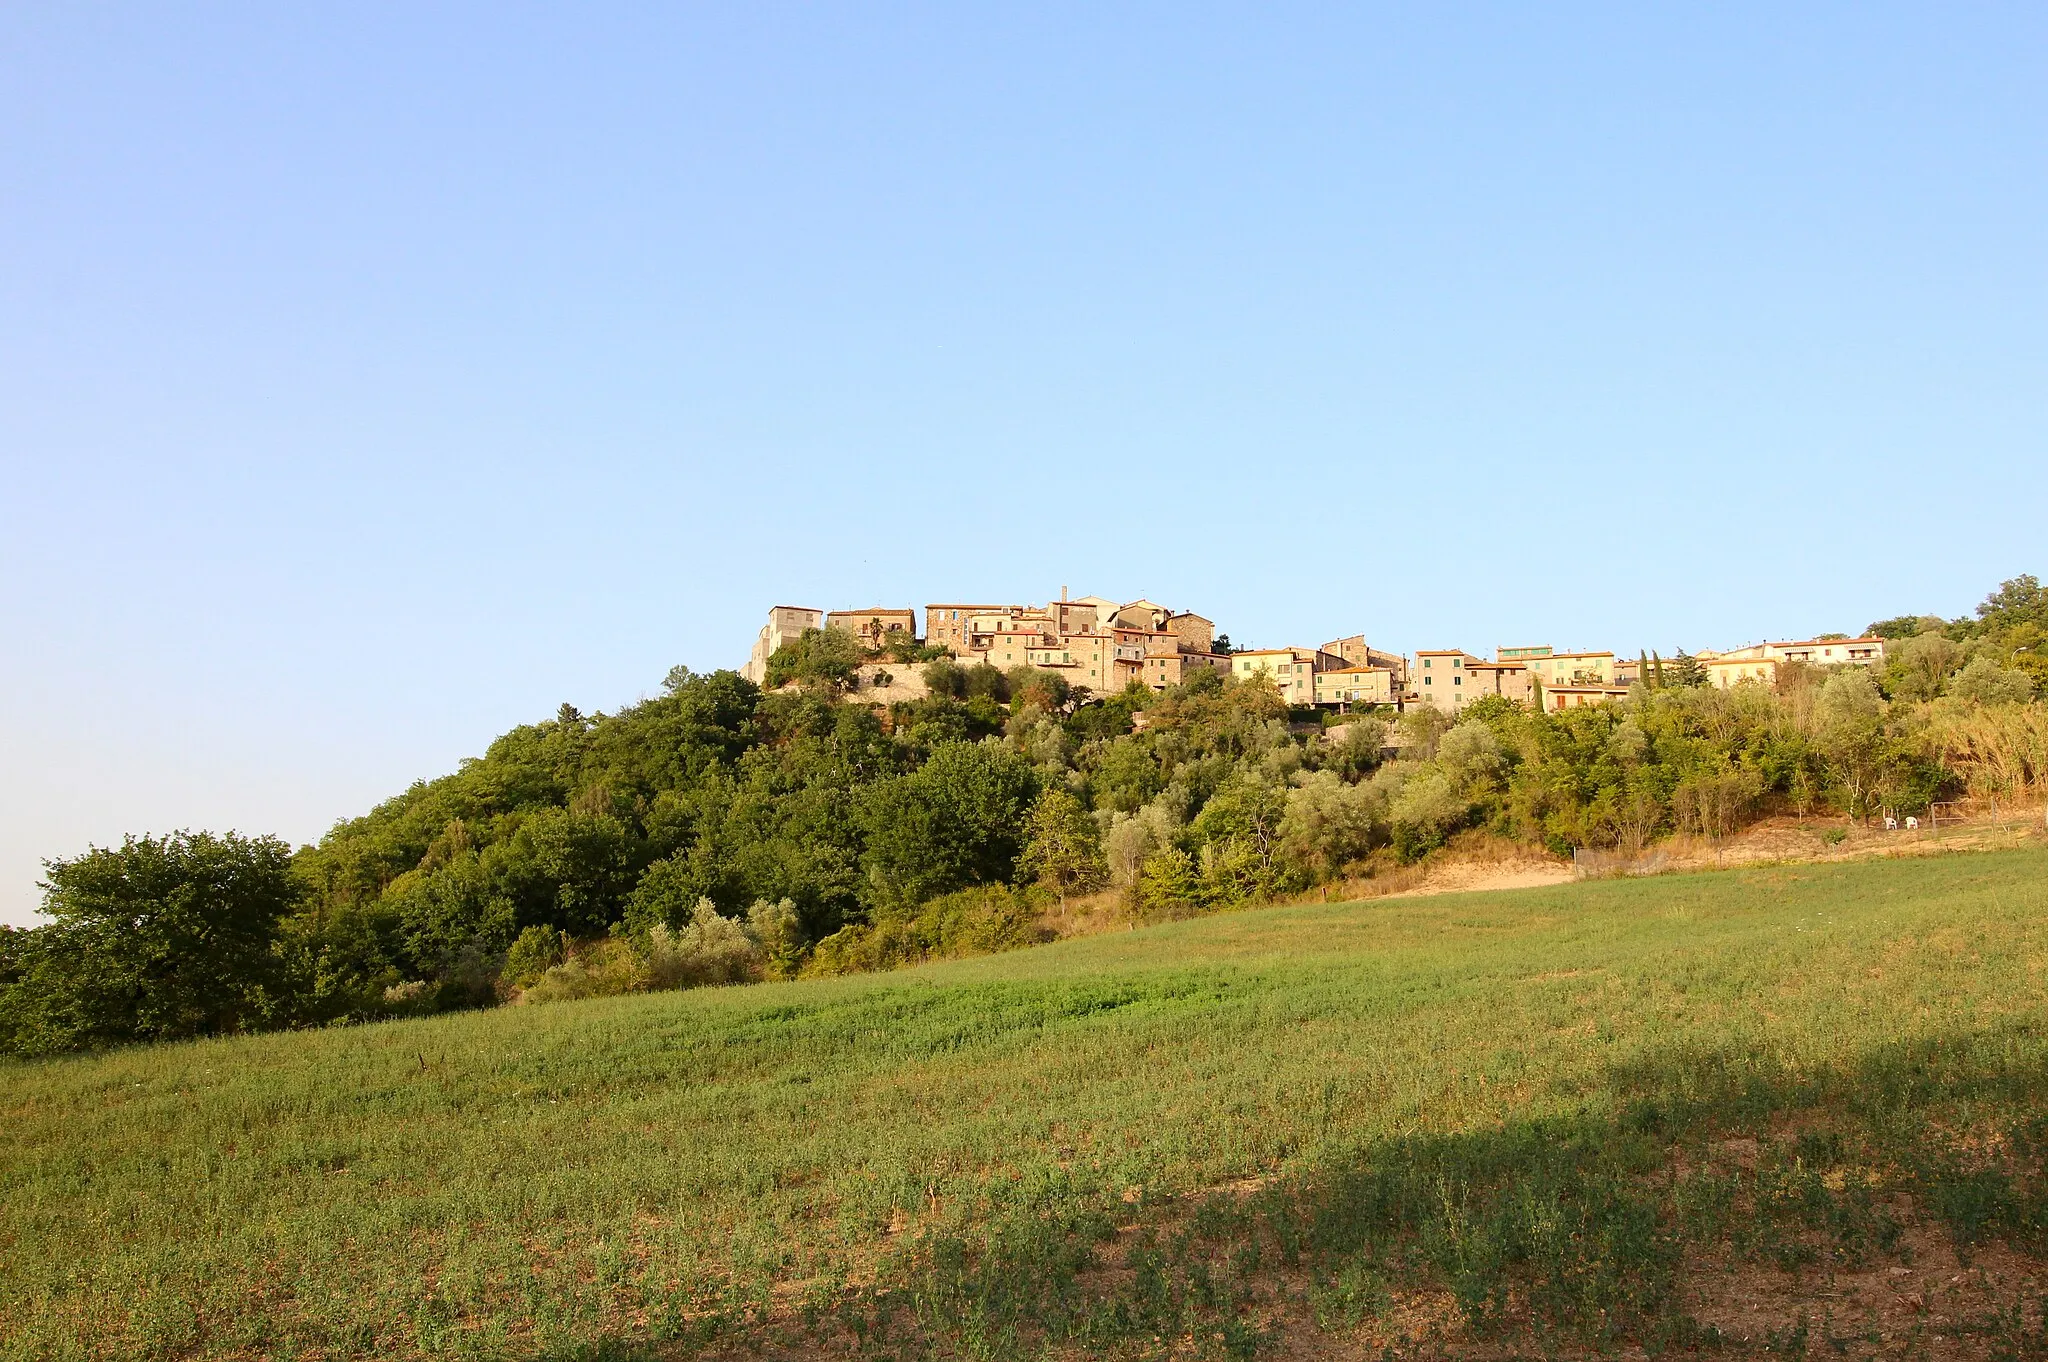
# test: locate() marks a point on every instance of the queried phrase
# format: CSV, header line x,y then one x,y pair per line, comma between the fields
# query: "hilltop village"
x,y
1101,646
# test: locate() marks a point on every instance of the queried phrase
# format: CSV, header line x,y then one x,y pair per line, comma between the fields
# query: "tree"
x,y
1328,824
1245,813
1035,687
1904,626
159,939
2022,600
1850,715
1062,846
1424,812
946,677
1169,885
828,658
538,950
954,822
1685,670
1357,747
899,646
1987,683
987,682
1918,668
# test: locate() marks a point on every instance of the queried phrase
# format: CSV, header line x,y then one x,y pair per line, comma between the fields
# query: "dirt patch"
x,y
1792,840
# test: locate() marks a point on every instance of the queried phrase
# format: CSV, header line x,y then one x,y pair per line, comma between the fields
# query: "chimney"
x,y
1063,591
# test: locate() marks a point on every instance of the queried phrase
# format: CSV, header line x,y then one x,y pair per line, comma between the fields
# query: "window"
x,y
1457,680
1427,679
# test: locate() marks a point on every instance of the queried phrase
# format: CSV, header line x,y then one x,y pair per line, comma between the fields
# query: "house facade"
x,y
873,625
1442,677
946,625
1355,652
1556,698
1343,687
1509,680
1729,672
1293,670
1570,669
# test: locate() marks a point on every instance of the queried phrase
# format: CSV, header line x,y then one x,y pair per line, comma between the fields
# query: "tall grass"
x,y
1481,1093
1998,750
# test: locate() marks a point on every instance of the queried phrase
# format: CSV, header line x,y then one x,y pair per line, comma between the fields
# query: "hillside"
x,y
1780,1104
717,832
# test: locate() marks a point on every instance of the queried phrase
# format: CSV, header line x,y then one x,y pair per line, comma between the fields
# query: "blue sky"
x,y
372,380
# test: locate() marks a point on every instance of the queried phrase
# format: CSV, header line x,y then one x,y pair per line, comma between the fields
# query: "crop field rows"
x,y
1765,1111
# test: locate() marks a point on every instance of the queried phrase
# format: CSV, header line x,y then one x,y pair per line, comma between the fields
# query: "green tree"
x,y
1920,667
1062,846
1169,885
2022,600
1037,688
1327,824
1850,734
954,822
1244,817
946,677
1685,670
1986,683
899,646
1904,626
537,950
828,658
987,682
158,939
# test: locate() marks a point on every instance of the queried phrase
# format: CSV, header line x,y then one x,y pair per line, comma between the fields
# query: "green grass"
x,y
1476,1093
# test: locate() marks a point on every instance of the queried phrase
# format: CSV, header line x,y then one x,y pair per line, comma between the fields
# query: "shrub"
x,y
1987,683
713,949
538,950
779,932
970,922
1170,885
600,970
1328,824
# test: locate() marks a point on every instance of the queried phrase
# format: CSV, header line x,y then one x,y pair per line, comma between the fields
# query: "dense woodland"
x,y
720,833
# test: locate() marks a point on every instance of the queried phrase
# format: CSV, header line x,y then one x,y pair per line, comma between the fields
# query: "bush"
x,y
713,949
971,922
1984,682
1169,886
601,970
1328,824
779,932
538,950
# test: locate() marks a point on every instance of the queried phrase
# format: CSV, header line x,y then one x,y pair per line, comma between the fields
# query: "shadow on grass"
x,y
1562,1233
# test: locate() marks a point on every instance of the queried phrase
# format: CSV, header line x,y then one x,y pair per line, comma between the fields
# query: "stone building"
x,y
785,624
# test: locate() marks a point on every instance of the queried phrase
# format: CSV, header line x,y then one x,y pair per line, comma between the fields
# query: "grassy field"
x,y
1569,1119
